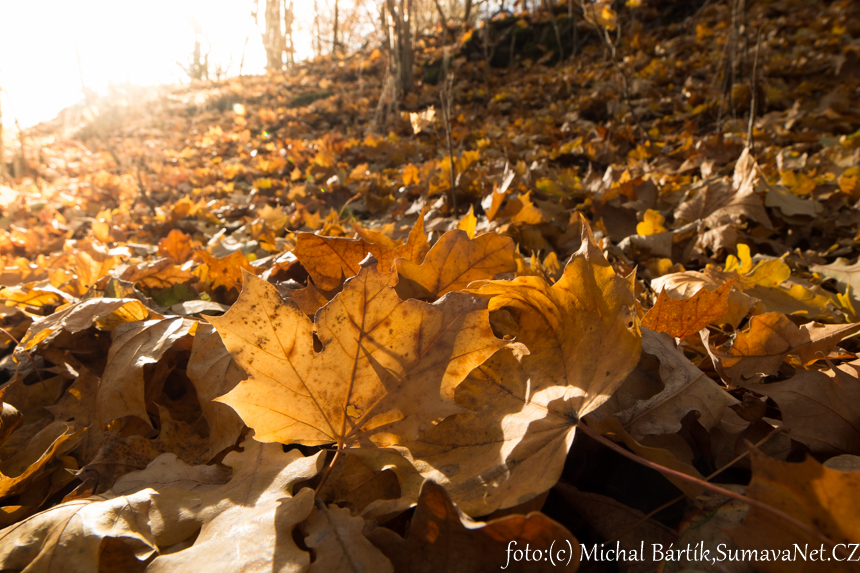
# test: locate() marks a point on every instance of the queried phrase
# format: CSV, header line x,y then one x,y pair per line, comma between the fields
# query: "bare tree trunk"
x,y
406,17
273,39
467,12
444,20
288,20
335,43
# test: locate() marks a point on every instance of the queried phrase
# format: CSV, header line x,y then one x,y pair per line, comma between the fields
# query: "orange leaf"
x,y
685,317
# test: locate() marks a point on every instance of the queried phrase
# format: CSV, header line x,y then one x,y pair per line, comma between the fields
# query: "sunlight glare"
x,y
141,43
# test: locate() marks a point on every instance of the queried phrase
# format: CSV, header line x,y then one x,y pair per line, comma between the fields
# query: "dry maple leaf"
x,y
582,340
226,271
683,318
441,539
330,260
177,246
454,262
760,349
383,360
686,284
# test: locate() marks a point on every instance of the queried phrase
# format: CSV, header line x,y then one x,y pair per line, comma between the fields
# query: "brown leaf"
x,y
760,349
684,389
454,262
169,471
53,441
70,537
177,246
226,271
582,340
683,318
10,420
106,313
160,274
383,360
611,519
825,500
686,284
244,525
78,405
820,409
845,275
339,543
330,260
441,539
213,372
136,344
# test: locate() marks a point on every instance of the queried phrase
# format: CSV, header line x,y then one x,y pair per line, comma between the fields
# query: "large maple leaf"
x,y
383,360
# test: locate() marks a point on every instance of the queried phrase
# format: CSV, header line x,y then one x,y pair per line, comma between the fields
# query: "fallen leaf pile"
x,y
252,333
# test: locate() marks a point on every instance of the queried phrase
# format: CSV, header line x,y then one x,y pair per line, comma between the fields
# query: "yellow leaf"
x,y
453,263
469,222
652,222
393,361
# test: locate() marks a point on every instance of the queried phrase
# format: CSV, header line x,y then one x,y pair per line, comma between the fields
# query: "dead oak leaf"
x,y
70,537
337,538
683,318
53,441
245,524
106,313
213,372
441,539
383,360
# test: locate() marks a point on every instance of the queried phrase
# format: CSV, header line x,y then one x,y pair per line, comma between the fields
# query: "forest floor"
x,y
639,320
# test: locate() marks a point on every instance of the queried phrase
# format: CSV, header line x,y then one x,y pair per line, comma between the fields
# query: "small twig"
x,y
672,502
355,197
17,343
779,514
754,94
447,96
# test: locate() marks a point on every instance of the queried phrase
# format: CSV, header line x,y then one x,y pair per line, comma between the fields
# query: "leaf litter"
x,y
275,345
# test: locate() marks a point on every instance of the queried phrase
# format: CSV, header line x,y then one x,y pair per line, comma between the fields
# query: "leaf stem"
x,y
328,469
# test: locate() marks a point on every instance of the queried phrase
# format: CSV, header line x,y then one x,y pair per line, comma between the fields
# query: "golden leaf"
x,y
383,360
683,318
453,263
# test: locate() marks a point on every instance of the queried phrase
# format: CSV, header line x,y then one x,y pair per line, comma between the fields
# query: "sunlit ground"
x,y
120,42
